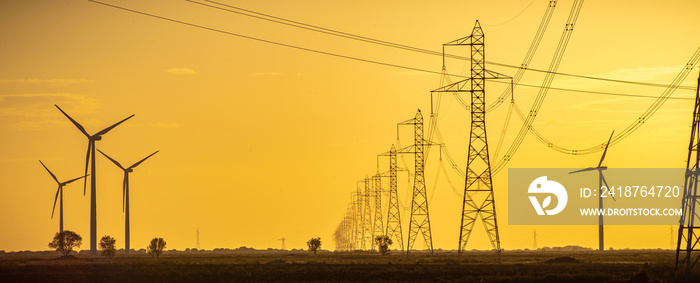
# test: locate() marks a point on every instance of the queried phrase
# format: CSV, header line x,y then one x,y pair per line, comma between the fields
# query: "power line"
x,y
297,24
329,53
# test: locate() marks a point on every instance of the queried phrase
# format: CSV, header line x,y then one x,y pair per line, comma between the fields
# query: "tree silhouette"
x,y
156,247
107,246
65,241
383,242
314,244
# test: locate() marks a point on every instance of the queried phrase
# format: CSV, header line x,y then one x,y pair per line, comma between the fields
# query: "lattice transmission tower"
x,y
358,217
393,220
478,203
366,216
420,218
378,227
689,231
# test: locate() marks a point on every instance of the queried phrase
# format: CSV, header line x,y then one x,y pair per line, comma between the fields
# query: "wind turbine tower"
x,y
125,196
93,178
601,180
59,195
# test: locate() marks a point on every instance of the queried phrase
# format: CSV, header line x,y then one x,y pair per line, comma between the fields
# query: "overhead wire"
x,y
549,78
544,23
352,36
514,17
319,51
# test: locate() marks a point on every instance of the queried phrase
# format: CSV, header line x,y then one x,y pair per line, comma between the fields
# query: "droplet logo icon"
x,y
543,186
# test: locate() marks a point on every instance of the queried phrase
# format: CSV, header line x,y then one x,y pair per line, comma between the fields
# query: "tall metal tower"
x,y
366,216
420,219
357,220
393,220
197,238
349,226
478,203
378,229
689,231
534,239
283,239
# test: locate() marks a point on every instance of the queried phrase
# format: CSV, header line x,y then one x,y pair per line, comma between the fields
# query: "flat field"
x,y
298,266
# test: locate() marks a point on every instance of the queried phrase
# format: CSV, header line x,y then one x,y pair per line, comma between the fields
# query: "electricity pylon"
x,y
197,245
689,231
393,220
420,218
358,218
366,216
478,202
534,239
378,229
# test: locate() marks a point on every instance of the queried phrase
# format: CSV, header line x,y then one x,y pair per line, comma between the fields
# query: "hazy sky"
x,y
259,142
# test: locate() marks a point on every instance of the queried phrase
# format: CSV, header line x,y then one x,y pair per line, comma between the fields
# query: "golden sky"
x,y
259,142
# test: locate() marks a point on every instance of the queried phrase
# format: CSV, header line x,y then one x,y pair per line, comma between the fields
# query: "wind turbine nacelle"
x,y
129,170
96,138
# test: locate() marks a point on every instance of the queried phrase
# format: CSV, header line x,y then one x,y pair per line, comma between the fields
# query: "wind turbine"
x,y
601,181
125,194
93,185
59,192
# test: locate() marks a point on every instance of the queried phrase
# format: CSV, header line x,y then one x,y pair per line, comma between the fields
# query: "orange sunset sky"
x,y
259,141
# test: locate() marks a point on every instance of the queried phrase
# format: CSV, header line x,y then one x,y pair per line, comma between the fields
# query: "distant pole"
x,y
671,238
198,238
534,241
283,246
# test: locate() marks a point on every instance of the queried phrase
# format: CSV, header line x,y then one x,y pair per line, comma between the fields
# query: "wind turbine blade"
x,y
142,160
583,170
124,185
112,126
54,201
111,159
87,163
47,169
606,149
602,177
73,180
80,127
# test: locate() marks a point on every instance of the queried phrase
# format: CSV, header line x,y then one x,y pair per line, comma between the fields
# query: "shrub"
x,y
156,247
107,245
314,244
65,241
383,242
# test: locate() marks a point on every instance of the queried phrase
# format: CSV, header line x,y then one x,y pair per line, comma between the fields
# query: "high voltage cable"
x,y
539,100
263,40
323,52
288,22
528,56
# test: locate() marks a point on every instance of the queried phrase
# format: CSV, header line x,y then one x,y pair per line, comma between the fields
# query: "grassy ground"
x,y
281,266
